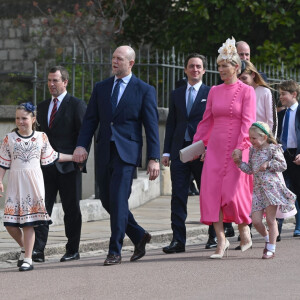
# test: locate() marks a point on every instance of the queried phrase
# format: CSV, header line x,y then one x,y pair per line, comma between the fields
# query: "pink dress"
x,y
230,111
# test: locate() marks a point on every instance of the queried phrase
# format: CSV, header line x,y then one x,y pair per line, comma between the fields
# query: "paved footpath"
x,y
154,216
189,275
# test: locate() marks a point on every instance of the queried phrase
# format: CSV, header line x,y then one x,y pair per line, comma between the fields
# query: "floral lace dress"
x,y
269,186
25,194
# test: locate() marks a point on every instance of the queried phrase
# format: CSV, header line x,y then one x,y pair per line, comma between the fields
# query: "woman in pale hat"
x,y
225,194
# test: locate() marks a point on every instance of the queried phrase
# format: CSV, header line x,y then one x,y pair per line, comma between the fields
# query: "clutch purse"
x,y
188,153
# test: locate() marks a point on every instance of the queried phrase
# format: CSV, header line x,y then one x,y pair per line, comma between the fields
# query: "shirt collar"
x,y
61,96
125,79
294,106
195,86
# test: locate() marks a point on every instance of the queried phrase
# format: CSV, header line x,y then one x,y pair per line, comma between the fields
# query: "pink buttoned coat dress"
x,y
230,111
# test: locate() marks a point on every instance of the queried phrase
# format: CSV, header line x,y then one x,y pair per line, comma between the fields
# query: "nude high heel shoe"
x,y
219,256
249,244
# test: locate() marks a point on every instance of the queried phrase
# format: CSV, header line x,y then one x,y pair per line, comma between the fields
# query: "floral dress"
x,y
269,186
25,194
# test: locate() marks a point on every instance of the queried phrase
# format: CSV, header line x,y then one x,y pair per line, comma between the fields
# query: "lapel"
x,y
198,99
43,114
61,110
181,100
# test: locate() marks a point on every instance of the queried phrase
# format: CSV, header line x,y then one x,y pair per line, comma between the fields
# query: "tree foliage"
x,y
271,28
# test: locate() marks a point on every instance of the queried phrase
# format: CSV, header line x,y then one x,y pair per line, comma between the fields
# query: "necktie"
x,y
115,94
53,112
190,100
189,105
284,136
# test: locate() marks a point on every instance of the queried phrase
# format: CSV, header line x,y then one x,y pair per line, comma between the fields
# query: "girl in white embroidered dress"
x,y
23,151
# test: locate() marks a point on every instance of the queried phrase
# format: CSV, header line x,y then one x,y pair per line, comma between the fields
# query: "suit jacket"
x,y
136,107
178,120
297,126
65,128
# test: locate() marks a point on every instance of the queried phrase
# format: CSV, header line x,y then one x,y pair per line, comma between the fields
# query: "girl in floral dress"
x,y
270,194
23,151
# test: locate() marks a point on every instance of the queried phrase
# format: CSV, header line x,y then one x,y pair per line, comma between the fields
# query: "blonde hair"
x,y
263,129
234,60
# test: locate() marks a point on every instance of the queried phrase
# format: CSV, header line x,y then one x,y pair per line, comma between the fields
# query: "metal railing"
x,y
162,69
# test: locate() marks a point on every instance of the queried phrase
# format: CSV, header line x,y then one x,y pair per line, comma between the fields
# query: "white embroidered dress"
x,y
25,194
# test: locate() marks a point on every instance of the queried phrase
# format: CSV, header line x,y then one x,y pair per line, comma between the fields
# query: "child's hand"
x,y
264,166
236,155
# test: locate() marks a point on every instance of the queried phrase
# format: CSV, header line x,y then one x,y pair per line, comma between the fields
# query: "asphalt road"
x,y
189,275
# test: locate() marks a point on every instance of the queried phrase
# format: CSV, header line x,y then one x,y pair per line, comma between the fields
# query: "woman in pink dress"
x,y
226,192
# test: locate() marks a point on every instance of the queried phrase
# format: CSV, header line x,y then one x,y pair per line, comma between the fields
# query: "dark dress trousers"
x,y
177,123
118,148
292,173
64,178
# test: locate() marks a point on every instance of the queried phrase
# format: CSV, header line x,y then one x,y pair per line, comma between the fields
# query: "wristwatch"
x,y
155,159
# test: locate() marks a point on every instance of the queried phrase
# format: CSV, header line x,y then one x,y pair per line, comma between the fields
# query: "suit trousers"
x,y
292,173
180,176
69,187
115,181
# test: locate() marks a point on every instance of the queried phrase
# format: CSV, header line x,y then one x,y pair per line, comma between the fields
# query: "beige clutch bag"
x,y
188,153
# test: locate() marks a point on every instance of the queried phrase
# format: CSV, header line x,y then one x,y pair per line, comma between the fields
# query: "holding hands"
x,y
237,156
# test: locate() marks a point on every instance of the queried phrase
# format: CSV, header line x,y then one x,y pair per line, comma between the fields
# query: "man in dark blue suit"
x,y
121,105
187,106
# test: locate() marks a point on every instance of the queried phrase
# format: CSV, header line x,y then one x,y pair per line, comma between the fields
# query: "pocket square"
x,y
203,100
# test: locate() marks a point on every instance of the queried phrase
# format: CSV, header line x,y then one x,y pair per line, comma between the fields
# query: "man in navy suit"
x,y
289,136
187,106
121,105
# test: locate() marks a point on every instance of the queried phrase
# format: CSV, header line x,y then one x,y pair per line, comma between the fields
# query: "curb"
x,y
157,237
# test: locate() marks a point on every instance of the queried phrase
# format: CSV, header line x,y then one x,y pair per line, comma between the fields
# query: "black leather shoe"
x,y
238,248
211,243
140,248
38,256
26,267
112,259
278,239
70,256
229,232
174,247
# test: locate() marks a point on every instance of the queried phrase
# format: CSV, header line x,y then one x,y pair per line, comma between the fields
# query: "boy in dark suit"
x,y
187,106
289,136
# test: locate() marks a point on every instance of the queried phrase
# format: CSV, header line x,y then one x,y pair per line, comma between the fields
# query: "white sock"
x,y
27,260
271,248
266,238
22,253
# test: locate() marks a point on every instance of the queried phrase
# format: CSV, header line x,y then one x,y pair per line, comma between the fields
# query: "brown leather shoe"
x,y
112,259
140,248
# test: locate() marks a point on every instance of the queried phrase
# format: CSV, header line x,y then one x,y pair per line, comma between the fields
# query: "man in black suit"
x,y
60,118
289,136
187,106
122,105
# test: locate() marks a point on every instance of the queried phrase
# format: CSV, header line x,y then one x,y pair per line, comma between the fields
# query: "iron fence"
x,y
162,69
